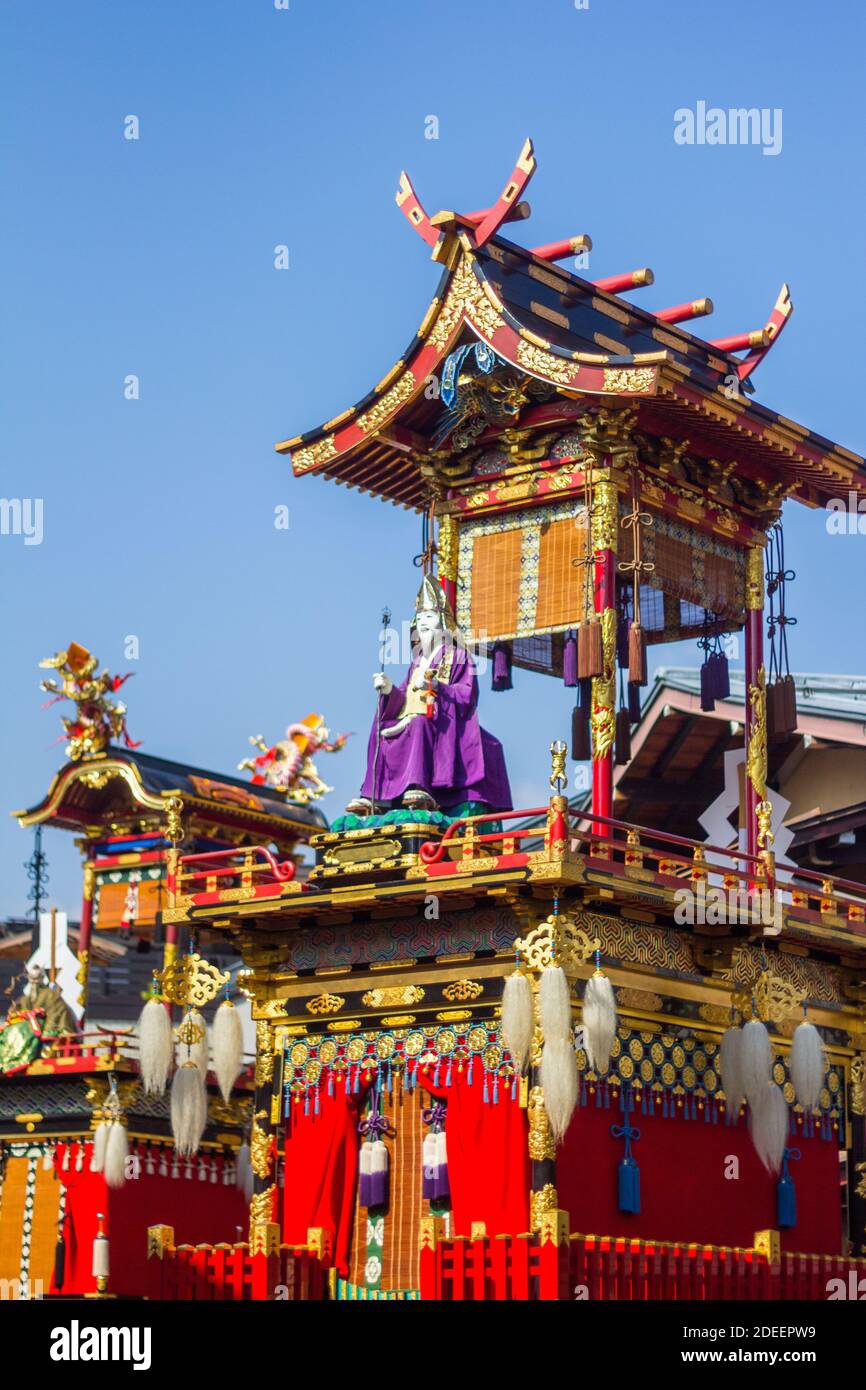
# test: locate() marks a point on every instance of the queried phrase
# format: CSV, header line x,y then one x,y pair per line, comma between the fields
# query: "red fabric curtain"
x,y
488,1158
321,1170
685,1195
201,1212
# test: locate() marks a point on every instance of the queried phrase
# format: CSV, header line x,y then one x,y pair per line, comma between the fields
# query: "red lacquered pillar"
x,y
85,930
604,540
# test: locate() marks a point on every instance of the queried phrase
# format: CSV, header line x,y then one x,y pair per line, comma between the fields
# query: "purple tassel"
x,y
501,666
723,679
708,702
569,659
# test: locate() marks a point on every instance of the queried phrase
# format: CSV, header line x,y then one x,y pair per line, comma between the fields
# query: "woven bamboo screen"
x,y
521,577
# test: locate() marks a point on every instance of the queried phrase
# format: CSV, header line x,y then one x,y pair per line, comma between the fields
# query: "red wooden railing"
x,y
231,1272
610,1268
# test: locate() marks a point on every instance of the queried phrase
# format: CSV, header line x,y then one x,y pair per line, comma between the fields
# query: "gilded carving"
x,y
314,454
392,996
756,757
387,404
545,364
325,1004
262,1207
541,1141
264,1054
447,548
261,1157
558,940
461,990
629,378
754,578
603,716
540,1203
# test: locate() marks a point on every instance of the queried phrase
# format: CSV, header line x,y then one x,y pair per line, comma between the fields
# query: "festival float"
x,y
494,1056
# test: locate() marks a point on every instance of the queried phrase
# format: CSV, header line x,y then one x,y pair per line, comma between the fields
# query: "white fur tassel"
x,y
188,1108
154,1047
116,1154
599,1021
100,1143
807,1064
244,1170
197,1053
756,1060
559,1082
768,1123
554,1005
228,1045
731,1067
517,1017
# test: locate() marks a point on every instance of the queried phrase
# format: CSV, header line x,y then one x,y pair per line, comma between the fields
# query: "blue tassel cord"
x,y
786,1194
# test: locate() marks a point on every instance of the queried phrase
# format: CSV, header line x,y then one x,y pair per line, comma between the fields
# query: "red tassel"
x,y
590,652
637,655
622,747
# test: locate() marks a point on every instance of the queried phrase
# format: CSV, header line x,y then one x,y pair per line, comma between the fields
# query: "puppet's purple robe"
x,y
450,755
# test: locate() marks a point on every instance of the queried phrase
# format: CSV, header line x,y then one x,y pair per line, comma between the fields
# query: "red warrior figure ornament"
x,y
288,766
98,719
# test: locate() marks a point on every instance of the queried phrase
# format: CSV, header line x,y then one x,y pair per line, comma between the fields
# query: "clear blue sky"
x,y
155,257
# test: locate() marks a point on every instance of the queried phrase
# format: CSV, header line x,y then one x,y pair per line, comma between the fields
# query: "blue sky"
x,y
261,127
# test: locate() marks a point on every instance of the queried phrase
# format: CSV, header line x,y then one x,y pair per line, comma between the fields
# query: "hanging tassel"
x,y
622,746
188,1108
633,701
196,1052
708,701
628,1172
786,1194
599,1021
244,1171
116,1154
731,1068
154,1046
590,650
569,659
100,1143
581,741
756,1060
808,1064
722,676
365,1168
768,1125
228,1046
554,1004
430,1165
378,1174
517,1017
637,672
558,1074
442,1185
501,669
789,704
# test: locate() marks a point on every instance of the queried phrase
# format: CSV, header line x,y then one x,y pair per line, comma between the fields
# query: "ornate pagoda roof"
x,y
582,338
88,794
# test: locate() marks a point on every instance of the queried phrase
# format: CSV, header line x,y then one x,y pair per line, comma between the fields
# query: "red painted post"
x,y
520,1266
604,541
